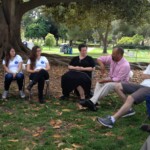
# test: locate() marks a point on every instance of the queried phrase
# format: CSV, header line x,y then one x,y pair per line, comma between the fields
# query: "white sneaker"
x,y
5,94
22,95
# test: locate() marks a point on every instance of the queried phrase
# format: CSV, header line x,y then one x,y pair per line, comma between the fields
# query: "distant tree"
x,y
50,40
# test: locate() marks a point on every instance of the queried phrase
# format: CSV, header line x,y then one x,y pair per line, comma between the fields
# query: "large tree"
x,y
11,12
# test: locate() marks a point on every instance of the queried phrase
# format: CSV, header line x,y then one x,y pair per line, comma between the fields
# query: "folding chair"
x,y
47,89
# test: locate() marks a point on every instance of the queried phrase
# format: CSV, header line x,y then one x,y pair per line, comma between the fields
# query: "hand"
x,y
38,70
78,68
145,76
103,81
102,71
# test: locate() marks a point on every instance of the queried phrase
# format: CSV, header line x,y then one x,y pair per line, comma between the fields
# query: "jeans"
x,y
39,77
9,78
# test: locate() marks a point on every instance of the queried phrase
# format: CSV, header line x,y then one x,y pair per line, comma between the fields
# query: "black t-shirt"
x,y
86,62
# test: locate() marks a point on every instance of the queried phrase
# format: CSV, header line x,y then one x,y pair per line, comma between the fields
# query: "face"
x,y
83,51
115,55
38,52
12,53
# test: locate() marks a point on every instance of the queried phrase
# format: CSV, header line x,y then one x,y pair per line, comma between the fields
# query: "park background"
x,y
65,125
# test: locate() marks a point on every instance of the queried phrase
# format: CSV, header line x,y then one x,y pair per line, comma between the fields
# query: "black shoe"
x,y
145,127
83,103
89,104
63,97
42,101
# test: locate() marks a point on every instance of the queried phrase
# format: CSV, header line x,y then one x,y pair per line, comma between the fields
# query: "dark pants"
x,y
9,78
72,79
39,77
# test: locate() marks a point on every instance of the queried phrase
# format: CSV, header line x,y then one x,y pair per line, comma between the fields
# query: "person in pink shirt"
x,y
119,72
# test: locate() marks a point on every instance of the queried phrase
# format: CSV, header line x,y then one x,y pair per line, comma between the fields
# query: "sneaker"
x,y
131,112
5,94
145,127
63,97
42,101
89,104
22,95
107,122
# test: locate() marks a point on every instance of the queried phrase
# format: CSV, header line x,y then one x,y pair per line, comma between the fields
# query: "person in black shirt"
x,y
79,76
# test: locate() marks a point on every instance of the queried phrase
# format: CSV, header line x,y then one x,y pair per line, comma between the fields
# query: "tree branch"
x,y
26,6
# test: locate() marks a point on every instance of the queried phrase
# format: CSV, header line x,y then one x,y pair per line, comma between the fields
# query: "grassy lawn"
x,y
59,125
134,56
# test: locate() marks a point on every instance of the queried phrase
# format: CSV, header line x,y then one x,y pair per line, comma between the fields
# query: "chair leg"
x,y
47,92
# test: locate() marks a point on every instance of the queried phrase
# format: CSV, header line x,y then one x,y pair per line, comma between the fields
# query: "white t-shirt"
x,y
13,65
146,82
40,63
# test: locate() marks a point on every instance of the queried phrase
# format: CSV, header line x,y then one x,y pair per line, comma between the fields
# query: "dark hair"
x,y
7,55
33,56
120,50
81,46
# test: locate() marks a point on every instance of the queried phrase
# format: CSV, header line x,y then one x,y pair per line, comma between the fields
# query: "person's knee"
x,y
9,76
20,76
118,86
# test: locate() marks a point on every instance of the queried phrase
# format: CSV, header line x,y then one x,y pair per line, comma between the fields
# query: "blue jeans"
x,y
148,104
9,78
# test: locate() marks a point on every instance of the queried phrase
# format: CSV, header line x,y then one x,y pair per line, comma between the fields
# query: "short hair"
x,y
120,50
81,46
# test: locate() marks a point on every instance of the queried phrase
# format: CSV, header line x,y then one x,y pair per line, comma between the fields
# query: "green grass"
x,y
138,55
29,125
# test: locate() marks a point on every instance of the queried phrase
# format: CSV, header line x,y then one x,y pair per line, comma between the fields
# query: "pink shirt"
x,y
119,71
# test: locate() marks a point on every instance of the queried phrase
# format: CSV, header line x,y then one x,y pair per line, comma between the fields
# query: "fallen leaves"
x,y
56,124
79,107
66,110
76,145
14,140
57,136
38,131
108,134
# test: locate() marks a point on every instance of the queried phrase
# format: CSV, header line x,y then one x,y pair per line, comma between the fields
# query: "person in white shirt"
x,y
12,64
138,94
38,66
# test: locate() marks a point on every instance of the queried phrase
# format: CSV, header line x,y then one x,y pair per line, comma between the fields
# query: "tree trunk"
x,y
11,12
70,42
105,37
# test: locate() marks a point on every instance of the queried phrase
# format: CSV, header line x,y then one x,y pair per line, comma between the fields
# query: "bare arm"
x,y
100,63
6,69
78,68
145,76
47,66
20,67
30,70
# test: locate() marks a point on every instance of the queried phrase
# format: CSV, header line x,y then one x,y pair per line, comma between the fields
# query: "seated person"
x,y
38,66
138,93
79,75
13,67
119,71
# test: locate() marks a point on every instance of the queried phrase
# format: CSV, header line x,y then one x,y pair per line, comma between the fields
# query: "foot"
x,y
22,95
89,104
42,101
107,122
63,97
145,127
131,112
5,94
